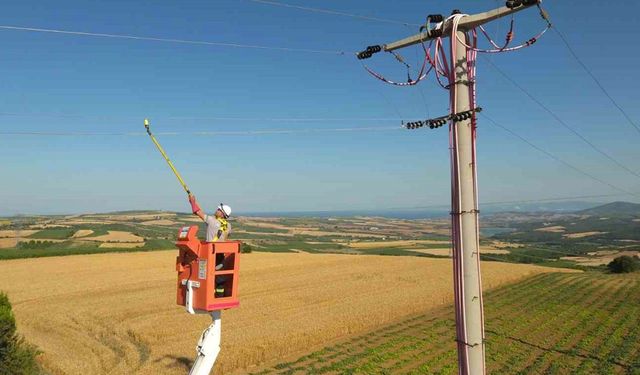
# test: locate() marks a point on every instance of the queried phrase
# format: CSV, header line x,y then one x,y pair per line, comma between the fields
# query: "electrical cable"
x,y
332,12
201,133
203,118
562,122
168,40
596,80
556,158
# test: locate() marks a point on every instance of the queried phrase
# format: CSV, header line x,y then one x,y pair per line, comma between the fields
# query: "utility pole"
x,y
464,195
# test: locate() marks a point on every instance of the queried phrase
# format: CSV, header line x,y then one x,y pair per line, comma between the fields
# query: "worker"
x,y
218,229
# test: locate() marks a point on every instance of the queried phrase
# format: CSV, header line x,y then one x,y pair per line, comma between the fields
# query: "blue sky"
x,y
66,83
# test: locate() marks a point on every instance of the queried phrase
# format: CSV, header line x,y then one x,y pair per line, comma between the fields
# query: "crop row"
x,y
552,323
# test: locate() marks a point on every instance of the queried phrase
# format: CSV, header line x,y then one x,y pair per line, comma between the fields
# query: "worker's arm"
x,y
195,208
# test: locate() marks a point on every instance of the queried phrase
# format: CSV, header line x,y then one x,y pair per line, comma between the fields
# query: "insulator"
x,y
435,18
374,49
529,2
455,11
513,4
364,55
509,36
431,126
435,33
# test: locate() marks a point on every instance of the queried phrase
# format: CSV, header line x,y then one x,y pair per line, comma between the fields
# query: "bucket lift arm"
x,y
208,346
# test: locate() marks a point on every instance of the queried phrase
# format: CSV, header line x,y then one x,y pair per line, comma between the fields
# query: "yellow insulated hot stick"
x,y
164,154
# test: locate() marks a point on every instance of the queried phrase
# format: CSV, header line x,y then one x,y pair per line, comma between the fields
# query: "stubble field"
x,y
116,313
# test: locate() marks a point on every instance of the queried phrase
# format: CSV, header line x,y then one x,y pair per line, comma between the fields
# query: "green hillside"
x,y
614,209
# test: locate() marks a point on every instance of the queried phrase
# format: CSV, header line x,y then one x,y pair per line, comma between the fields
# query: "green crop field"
x,y
54,233
583,323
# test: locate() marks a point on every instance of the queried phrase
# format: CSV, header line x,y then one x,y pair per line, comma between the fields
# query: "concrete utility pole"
x,y
464,209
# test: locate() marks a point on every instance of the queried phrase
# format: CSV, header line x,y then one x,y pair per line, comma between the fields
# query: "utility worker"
x,y
218,229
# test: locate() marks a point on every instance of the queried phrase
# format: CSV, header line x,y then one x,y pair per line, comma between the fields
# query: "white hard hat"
x,y
226,210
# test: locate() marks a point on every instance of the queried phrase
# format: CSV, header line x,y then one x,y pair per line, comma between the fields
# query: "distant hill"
x,y
614,209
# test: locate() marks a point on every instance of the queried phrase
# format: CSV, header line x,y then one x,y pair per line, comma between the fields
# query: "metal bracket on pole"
x,y
439,121
189,297
466,23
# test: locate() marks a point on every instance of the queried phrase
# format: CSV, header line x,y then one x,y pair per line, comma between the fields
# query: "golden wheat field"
x,y
116,313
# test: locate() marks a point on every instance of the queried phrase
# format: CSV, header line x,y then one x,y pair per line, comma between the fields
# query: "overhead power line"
x,y
332,12
200,118
200,133
562,122
596,80
553,114
556,158
168,40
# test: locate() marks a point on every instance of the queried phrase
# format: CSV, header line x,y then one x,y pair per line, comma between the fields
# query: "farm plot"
x,y
116,313
559,323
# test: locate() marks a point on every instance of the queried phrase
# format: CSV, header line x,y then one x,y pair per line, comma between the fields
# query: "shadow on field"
x,y
570,352
176,361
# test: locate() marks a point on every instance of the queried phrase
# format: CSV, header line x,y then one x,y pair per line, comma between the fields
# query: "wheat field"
x,y
116,313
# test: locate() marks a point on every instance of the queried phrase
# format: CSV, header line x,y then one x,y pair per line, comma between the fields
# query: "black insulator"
x,y
435,33
455,11
513,4
435,18
529,2
374,49
432,126
364,55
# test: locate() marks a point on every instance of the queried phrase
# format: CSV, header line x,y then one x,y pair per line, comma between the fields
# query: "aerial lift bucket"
x,y
203,268
207,283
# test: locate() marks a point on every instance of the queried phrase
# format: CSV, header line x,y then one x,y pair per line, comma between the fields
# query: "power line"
x,y
556,158
332,12
201,118
201,133
168,40
596,80
562,122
